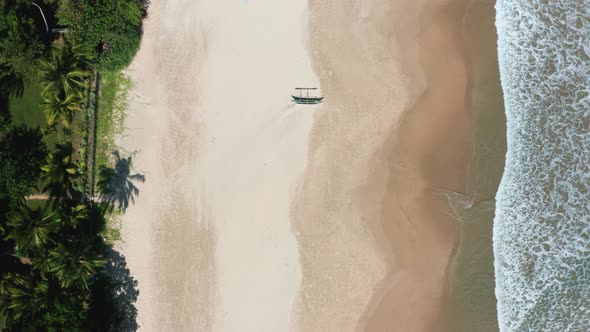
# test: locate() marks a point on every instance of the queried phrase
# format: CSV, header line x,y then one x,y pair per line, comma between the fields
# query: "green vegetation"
x,y
110,28
60,173
64,78
58,270
11,84
21,39
110,121
27,110
54,255
21,154
65,71
2,319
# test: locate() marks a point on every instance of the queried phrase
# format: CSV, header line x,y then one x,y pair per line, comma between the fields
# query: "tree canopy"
x,y
11,84
109,28
21,44
58,270
22,153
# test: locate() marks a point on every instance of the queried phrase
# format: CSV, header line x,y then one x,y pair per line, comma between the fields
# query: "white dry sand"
x,y
222,147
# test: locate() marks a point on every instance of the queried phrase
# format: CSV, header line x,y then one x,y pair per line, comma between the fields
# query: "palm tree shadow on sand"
x,y
116,185
115,290
114,294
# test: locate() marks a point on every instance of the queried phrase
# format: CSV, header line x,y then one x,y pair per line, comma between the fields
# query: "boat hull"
x,y
307,100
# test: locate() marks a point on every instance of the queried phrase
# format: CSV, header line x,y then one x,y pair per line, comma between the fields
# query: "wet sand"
x,y
473,302
430,154
376,239
357,59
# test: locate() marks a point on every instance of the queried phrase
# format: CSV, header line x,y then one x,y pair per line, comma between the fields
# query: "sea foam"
x,y
542,223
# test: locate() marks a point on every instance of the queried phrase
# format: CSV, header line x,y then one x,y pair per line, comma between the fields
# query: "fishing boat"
x,y
306,99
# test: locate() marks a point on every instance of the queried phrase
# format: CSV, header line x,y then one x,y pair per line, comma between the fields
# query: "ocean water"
x,y
542,224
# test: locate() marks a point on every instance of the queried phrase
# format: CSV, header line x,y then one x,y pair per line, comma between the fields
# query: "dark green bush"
x,y
21,154
111,29
21,44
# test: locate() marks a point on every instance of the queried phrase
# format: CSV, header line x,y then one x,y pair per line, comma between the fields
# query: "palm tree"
x,y
30,229
65,71
72,216
115,185
24,296
64,77
77,54
59,173
74,263
63,107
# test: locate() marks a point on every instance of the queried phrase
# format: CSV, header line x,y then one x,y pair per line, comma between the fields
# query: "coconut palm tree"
x,y
65,71
77,54
115,185
73,215
23,297
60,173
64,107
74,263
30,229
37,304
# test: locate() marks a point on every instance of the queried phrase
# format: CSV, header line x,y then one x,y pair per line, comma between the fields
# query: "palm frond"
x,y
60,173
30,229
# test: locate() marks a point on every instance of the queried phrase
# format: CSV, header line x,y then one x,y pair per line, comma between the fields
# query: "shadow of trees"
x,y
115,291
114,294
116,184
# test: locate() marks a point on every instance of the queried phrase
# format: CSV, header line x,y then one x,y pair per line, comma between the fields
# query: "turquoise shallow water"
x,y
542,224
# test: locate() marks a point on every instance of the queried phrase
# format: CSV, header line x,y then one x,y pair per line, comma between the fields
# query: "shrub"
x,y
21,155
109,28
21,44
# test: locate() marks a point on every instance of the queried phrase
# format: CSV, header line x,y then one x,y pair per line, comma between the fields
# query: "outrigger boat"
x,y
307,99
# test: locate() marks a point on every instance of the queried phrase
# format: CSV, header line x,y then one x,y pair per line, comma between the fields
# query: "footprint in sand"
x,y
140,99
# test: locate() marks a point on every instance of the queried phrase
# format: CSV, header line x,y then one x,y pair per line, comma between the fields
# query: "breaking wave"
x,y
542,223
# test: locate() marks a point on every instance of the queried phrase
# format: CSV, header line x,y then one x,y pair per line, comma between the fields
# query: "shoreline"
x,y
473,302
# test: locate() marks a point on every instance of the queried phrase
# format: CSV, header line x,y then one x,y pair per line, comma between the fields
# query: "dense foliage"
x,y
11,83
57,269
63,258
21,39
111,29
64,79
22,152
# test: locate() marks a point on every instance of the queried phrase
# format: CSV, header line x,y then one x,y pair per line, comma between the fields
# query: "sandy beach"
x,y
261,215
222,147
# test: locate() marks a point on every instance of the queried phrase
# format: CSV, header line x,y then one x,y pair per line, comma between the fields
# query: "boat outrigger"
x,y
307,99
